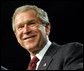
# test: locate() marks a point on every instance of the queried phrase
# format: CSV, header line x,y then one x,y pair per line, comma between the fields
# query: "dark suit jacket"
x,y
3,68
65,57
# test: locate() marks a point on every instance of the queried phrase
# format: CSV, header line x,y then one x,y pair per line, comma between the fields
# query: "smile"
x,y
29,37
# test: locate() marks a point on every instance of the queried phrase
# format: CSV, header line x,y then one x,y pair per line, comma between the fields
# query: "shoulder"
x,y
70,49
68,56
69,46
73,55
73,46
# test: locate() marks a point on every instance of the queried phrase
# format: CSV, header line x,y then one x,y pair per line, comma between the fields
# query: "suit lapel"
x,y
44,63
48,57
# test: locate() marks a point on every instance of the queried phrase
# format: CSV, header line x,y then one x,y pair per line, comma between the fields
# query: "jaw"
x,y
29,42
34,45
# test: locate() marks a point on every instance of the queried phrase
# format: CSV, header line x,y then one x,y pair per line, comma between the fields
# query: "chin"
x,y
30,46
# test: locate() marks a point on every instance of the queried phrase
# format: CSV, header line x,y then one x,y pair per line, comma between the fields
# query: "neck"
x,y
39,48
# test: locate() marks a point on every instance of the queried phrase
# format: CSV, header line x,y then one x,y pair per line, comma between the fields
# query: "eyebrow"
x,y
33,20
28,21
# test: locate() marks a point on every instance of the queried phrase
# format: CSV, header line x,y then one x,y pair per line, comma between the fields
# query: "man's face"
x,y
30,32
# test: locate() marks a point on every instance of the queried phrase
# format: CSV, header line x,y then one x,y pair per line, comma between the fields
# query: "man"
x,y
32,28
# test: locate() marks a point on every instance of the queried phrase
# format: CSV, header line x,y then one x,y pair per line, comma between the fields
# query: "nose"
x,y
26,29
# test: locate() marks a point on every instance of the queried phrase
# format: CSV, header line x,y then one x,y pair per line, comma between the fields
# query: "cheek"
x,y
42,34
18,36
42,30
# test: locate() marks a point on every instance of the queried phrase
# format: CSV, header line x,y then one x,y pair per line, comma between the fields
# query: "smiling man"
x,y
32,28
30,32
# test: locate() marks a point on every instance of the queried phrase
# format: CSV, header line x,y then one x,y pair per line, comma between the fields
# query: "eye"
x,y
32,23
20,26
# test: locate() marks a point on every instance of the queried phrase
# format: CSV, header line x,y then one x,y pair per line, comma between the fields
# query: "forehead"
x,y
23,16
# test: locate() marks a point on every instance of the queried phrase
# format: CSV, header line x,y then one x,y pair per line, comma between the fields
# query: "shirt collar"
x,y
43,51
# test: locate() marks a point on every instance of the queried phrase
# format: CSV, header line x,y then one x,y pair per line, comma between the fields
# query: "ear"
x,y
48,28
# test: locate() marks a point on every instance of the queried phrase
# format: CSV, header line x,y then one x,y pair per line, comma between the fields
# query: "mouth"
x,y
29,37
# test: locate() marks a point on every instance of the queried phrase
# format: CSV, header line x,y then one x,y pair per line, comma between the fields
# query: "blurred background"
x,y
66,26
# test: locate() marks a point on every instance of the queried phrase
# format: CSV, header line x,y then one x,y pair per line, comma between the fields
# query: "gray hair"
x,y
41,14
